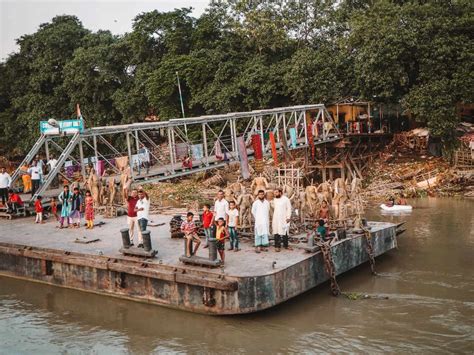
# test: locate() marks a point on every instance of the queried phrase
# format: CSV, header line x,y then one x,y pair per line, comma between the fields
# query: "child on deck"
x,y
39,210
189,229
321,230
207,218
221,235
54,208
232,222
89,210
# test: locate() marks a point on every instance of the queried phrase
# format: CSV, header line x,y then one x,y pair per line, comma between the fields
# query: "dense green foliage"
x,y
242,55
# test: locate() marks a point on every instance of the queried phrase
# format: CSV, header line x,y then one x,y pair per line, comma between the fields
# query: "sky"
x,y
19,17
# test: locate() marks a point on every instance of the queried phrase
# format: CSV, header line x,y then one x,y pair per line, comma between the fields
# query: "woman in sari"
x,y
65,200
26,178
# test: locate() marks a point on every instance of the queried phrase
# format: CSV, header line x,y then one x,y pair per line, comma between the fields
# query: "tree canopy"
x,y
242,55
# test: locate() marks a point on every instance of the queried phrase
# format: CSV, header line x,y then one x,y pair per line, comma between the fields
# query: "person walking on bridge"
x,y
5,182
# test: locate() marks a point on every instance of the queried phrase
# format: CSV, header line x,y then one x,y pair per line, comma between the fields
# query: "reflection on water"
x,y
429,283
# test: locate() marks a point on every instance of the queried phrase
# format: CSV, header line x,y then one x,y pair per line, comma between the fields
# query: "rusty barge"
x,y
248,283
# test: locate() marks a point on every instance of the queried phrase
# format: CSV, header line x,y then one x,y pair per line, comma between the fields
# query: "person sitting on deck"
x,y
189,229
321,230
221,234
14,201
324,212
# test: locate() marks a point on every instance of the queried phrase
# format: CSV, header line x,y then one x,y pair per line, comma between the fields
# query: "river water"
x,y
421,301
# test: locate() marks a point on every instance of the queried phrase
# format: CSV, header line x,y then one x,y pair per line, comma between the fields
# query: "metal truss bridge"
x,y
166,142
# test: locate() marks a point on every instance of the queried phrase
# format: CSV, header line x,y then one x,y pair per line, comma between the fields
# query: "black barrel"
x,y
191,251
212,249
125,238
146,240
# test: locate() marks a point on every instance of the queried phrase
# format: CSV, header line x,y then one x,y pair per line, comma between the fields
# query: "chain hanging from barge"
x,y
370,250
329,266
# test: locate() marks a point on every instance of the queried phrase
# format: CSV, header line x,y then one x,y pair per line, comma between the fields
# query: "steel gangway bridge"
x,y
162,139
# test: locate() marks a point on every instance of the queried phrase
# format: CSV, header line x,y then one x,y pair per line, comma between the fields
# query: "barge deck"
x,y
249,282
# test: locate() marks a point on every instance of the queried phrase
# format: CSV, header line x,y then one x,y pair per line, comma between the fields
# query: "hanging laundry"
x,y
218,150
197,151
181,150
293,137
100,167
257,146
244,160
311,140
274,150
284,145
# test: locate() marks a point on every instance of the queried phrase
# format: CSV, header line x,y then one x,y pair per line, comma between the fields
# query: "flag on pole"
x,y
78,112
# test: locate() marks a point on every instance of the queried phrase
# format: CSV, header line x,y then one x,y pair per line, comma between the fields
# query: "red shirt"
x,y
207,219
132,202
15,198
38,206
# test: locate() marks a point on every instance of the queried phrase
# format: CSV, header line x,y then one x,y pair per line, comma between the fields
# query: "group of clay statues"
x,y
341,196
106,190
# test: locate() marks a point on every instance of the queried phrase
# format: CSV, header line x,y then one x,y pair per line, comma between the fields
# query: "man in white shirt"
x,y
261,215
40,163
35,173
142,208
281,218
5,182
221,206
52,162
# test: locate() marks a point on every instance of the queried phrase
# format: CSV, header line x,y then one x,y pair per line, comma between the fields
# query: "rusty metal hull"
x,y
192,289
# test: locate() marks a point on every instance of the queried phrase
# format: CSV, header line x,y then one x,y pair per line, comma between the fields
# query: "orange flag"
x,y
274,149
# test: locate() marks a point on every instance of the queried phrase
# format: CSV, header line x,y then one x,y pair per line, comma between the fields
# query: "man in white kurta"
x,y
261,215
281,218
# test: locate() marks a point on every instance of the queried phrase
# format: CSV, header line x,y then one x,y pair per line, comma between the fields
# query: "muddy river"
x,y
422,300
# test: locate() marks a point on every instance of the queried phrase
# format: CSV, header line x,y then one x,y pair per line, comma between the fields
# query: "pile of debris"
x,y
414,176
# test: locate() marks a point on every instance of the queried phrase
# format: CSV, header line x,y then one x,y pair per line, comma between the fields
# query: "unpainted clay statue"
x,y
125,183
312,200
112,190
93,186
325,189
259,183
244,202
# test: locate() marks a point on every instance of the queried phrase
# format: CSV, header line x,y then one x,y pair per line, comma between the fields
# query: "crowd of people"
x,y
223,224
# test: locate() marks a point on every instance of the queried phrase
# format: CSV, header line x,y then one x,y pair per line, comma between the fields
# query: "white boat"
x,y
396,208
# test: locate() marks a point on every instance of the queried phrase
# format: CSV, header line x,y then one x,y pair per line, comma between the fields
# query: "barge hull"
x,y
191,289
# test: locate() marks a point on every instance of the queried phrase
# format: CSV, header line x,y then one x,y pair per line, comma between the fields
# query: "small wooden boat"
x,y
396,208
